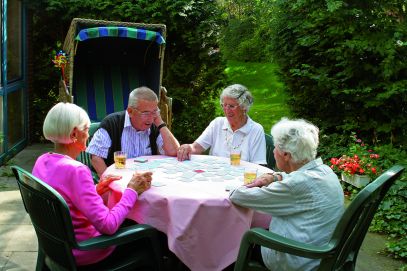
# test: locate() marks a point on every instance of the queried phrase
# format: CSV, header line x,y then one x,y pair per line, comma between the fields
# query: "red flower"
x,y
360,160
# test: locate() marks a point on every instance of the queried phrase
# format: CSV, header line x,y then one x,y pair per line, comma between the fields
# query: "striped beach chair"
x,y
107,60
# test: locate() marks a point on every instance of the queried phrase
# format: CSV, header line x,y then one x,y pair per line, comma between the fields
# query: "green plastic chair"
x,y
52,222
84,157
271,162
342,250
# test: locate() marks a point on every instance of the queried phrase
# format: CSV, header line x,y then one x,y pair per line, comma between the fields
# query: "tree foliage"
x,y
193,69
344,63
247,34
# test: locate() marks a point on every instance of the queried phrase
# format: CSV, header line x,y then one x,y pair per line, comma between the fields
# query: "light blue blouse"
x,y
305,206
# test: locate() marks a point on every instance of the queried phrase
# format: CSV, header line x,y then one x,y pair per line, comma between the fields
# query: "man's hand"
x,y
158,120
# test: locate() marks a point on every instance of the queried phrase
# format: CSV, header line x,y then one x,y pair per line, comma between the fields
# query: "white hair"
x,y
240,93
297,137
141,93
60,121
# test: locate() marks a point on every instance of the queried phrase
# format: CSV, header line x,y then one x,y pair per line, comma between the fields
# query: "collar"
x,y
245,129
312,164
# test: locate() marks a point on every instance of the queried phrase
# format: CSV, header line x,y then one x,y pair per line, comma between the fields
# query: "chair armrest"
x,y
122,236
277,242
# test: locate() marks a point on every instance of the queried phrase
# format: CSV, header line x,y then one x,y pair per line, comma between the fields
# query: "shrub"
x,y
344,64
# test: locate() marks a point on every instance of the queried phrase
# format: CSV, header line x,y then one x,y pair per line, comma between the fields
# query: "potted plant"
x,y
359,166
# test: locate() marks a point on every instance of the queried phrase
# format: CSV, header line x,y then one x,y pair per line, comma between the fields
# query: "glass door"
x,y
13,83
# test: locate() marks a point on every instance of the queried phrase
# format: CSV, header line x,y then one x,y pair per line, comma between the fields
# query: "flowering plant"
x,y
60,61
360,160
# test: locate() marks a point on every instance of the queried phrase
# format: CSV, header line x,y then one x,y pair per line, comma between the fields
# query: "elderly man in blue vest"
x,y
138,131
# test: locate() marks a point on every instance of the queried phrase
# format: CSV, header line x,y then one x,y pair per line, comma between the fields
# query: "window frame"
x,y
18,84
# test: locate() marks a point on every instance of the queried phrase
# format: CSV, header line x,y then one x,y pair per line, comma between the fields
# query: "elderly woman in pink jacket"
x,y
67,126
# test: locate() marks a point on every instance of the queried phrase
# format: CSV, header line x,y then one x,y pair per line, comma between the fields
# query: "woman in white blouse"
x,y
235,131
305,200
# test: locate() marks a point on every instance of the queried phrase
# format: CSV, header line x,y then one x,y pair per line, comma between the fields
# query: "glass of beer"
x,y
250,173
235,157
120,159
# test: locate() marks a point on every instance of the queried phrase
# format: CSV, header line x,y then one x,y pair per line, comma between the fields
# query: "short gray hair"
x,y
297,137
60,121
240,93
141,93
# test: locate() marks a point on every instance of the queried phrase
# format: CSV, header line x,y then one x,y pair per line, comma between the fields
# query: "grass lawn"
x,y
262,81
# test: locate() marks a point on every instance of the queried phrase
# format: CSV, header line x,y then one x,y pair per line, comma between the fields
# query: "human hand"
x,y
157,119
184,152
103,185
140,182
262,180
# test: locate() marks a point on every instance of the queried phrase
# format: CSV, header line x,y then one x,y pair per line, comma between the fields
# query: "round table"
x,y
189,202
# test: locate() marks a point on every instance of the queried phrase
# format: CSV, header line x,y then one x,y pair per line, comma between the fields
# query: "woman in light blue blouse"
x,y
305,199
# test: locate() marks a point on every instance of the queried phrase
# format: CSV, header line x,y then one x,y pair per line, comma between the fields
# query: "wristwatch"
x,y
275,178
161,126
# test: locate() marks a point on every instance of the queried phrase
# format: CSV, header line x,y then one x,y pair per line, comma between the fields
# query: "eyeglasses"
x,y
229,106
148,114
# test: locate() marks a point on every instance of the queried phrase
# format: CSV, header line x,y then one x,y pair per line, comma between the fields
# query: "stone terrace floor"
x,y
18,242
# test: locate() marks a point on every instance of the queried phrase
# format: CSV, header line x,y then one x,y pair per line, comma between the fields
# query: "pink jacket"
x,y
90,217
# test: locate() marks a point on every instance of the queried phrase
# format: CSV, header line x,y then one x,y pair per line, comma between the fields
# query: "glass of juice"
x,y
235,157
250,173
120,159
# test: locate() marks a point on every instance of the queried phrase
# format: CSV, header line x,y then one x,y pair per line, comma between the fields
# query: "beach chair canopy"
x,y
107,60
119,31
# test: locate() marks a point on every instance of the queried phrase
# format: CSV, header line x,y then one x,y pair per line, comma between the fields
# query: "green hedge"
x,y
344,64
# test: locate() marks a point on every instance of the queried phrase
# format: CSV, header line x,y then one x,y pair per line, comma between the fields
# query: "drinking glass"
x,y
250,173
235,157
120,159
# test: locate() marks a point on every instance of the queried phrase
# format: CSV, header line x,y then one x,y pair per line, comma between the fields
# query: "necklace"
x,y
229,143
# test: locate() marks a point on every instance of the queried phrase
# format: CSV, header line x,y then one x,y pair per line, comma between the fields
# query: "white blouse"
x,y
249,139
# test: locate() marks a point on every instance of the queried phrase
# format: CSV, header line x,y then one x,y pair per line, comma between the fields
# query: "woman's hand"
x,y
103,185
184,152
262,180
140,182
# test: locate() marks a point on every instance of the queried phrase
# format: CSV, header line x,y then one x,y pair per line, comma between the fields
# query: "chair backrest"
x,y
271,162
84,157
353,226
50,217
108,59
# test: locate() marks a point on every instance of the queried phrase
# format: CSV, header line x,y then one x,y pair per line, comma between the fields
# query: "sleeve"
x,y
277,198
100,143
160,144
258,146
90,204
206,138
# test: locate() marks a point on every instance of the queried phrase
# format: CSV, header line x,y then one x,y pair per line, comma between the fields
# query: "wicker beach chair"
x,y
107,60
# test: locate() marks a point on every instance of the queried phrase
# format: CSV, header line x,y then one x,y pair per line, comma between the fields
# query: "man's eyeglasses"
x,y
229,106
148,114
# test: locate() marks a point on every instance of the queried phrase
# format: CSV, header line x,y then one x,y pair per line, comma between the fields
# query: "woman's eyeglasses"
x,y
229,106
